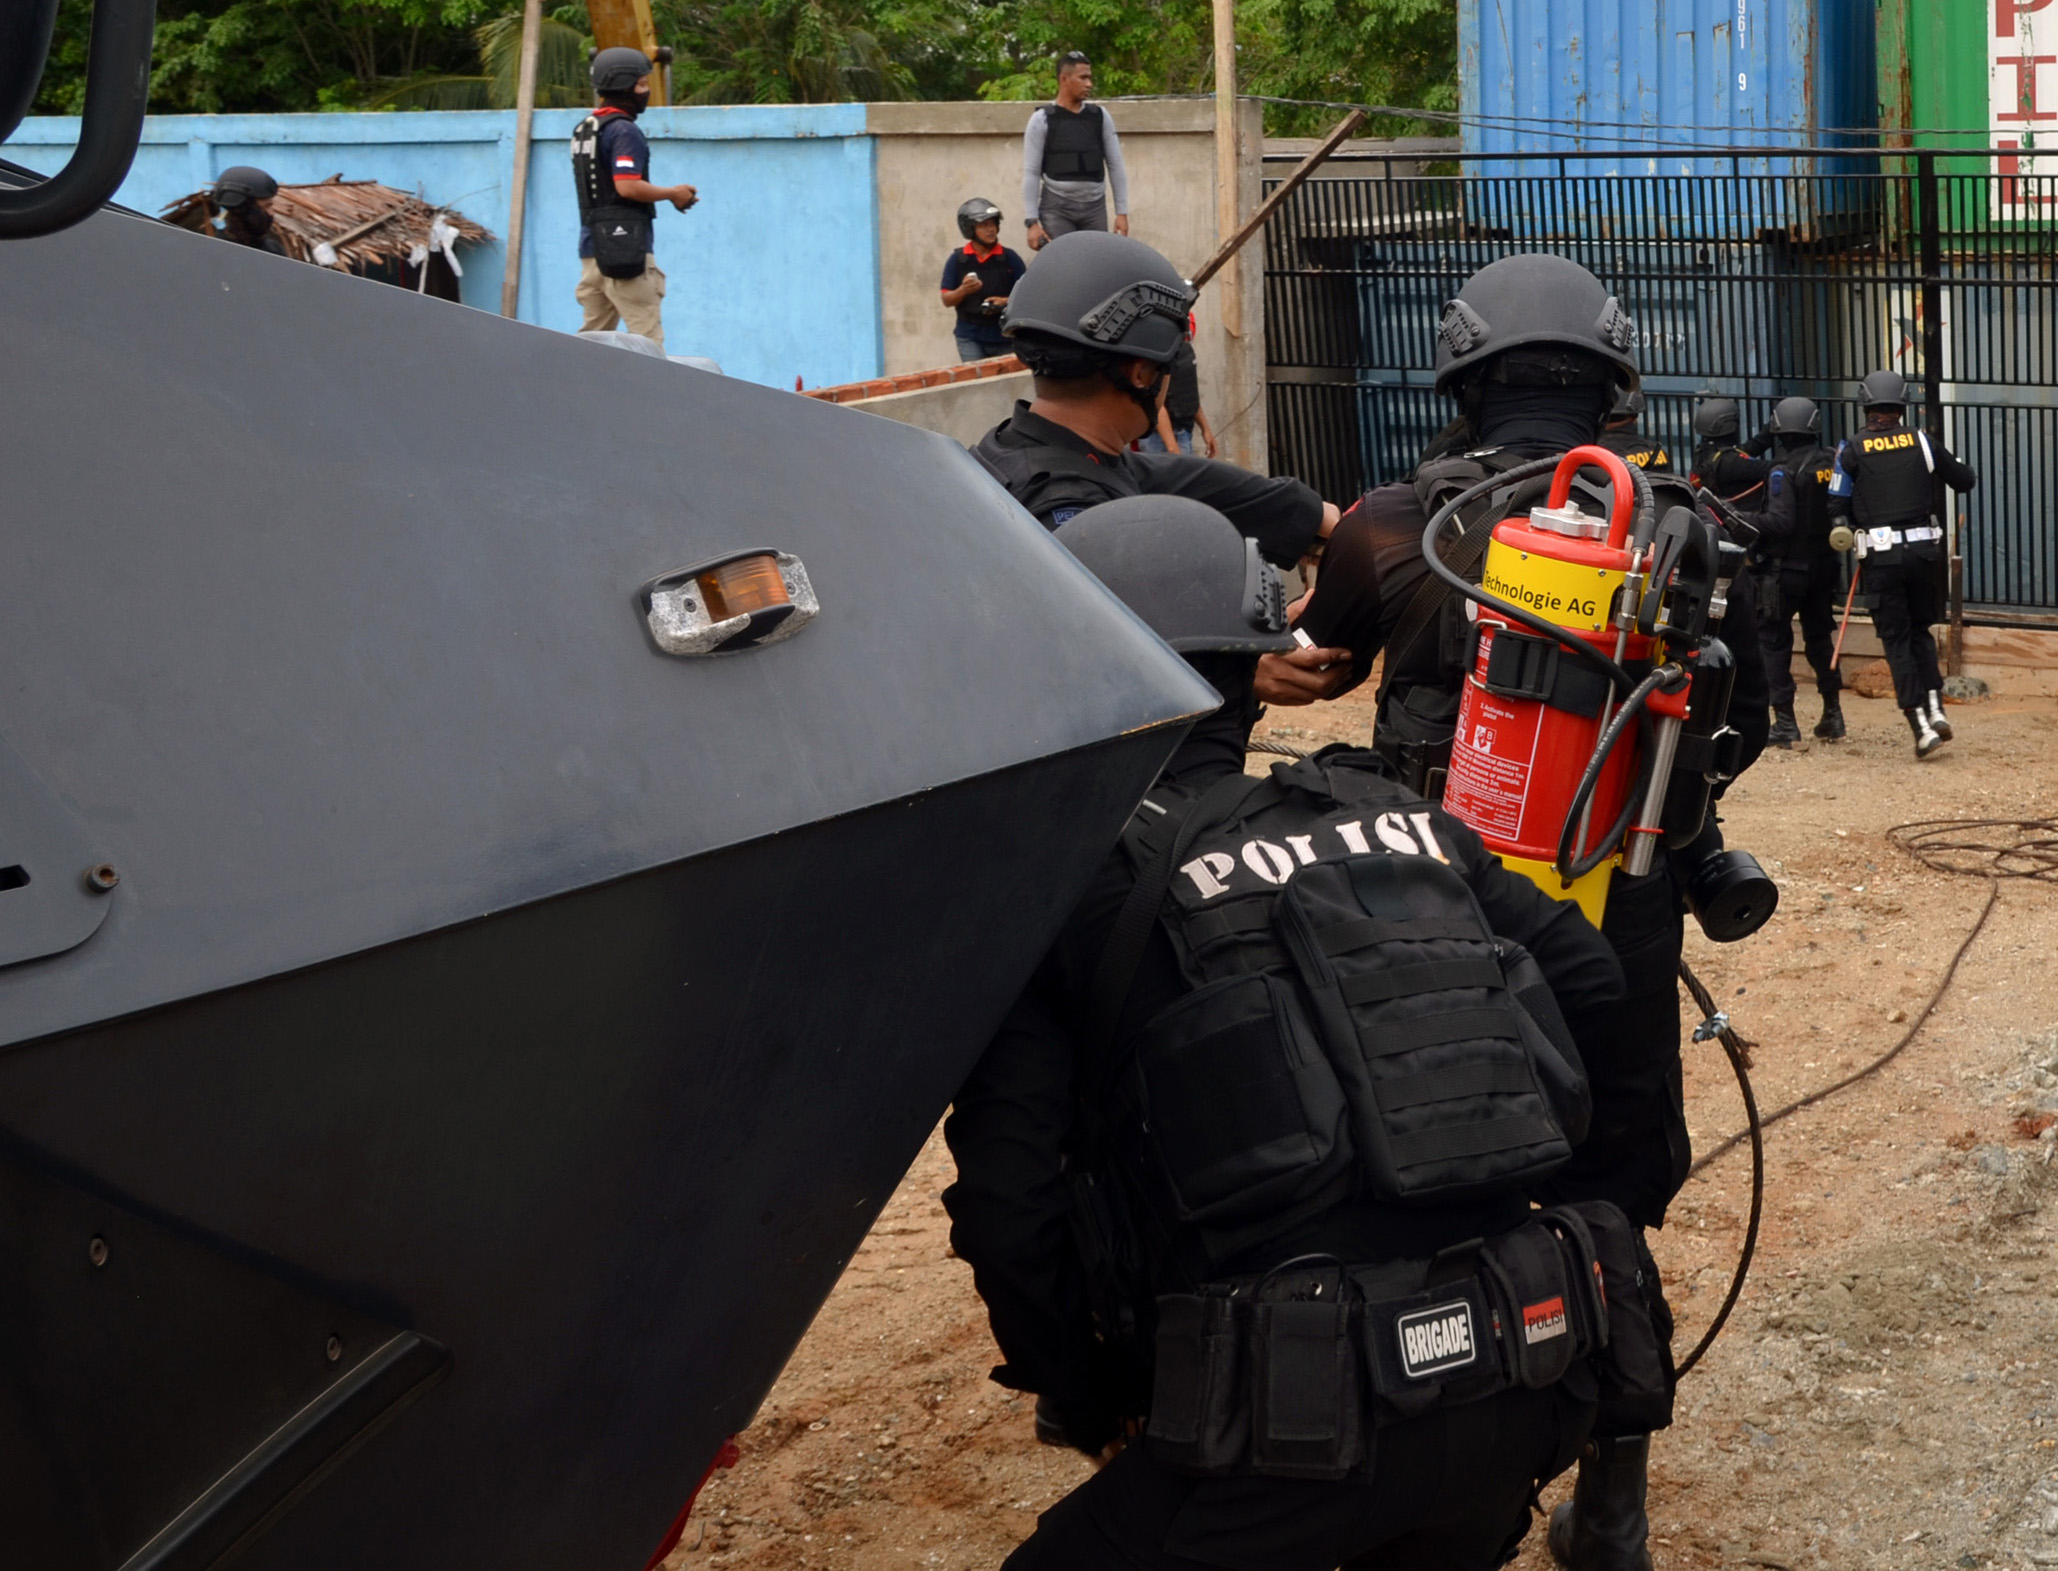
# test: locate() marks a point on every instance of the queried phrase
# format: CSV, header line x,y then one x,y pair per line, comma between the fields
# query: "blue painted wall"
x,y
1588,75
775,274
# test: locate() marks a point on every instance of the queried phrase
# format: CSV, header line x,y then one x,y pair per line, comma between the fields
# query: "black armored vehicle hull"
x,y
454,1027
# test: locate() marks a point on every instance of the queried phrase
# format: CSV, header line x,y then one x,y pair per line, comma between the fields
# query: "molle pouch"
x,y
1588,1300
1418,1345
1443,1067
1636,1373
1526,1278
1242,1106
1307,1403
1200,1416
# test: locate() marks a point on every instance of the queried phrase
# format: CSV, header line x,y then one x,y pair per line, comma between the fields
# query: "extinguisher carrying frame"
x,y
1637,532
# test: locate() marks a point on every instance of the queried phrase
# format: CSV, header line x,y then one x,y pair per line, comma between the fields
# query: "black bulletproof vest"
x,y
1807,474
1636,448
1072,144
1890,478
1053,482
1354,1031
593,185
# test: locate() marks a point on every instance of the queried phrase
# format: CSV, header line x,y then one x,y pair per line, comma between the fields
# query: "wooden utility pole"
x,y
525,122
1227,213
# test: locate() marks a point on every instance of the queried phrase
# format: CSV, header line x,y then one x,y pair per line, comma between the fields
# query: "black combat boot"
x,y
1926,739
1830,728
1937,722
1785,729
1603,1526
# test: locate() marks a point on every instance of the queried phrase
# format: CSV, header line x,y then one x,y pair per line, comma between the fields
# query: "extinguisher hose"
x,y
1617,677
1668,677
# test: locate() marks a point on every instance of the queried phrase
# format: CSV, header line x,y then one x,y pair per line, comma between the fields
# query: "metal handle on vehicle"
x,y
117,91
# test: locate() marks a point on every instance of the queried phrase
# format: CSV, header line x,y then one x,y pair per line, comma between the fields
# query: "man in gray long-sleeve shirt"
x,y
1070,150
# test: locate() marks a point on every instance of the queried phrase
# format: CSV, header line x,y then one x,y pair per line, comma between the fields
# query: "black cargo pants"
x,y
1907,601
1810,589
1446,1492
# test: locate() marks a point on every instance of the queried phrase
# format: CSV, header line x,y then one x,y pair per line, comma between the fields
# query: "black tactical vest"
x,y
1805,478
1890,477
594,186
1354,1029
1072,144
1635,448
1053,482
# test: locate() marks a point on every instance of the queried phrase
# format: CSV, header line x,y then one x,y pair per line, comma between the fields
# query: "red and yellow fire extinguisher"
x,y
1588,632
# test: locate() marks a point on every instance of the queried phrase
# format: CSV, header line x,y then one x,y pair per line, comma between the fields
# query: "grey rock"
x,y
1966,687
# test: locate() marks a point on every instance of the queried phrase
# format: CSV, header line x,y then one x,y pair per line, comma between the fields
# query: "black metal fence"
x,y
1756,286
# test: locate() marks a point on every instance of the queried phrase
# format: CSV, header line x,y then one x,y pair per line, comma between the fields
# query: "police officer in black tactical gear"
x,y
1800,574
1535,351
1883,491
1620,435
244,195
1098,320
1225,1171
1734,473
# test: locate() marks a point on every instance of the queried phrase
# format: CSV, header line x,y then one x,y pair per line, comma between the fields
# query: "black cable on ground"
x,y
1714,1023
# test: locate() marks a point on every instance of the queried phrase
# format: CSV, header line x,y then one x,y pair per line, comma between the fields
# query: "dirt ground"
x,y
1882,1397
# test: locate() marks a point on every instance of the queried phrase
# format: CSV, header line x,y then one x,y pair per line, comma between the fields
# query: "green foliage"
x,y
227,55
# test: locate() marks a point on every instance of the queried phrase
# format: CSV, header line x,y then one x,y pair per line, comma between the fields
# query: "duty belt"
x,y
1887,539
1268,1375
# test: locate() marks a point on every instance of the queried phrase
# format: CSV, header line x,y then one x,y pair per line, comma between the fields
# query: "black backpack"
x,y
1354,1027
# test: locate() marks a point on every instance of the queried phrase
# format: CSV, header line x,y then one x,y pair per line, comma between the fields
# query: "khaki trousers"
x,y
635,303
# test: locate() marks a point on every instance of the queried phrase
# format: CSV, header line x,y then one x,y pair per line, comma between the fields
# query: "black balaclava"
x,y
1556,418
631,104
1216,745
1542,396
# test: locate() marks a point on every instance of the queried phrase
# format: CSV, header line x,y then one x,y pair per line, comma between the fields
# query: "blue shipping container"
x,y
1614,79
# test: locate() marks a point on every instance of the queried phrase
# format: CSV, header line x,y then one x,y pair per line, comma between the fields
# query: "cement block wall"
x,y
931,157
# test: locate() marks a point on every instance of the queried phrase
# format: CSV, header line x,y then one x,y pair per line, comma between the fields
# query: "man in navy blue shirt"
x,y
978,277
611,167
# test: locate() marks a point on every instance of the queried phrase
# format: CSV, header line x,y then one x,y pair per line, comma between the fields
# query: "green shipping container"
x,y
1970,73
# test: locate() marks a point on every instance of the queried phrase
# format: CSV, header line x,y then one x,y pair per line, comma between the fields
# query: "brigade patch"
x,y
1436,1339
1541,1322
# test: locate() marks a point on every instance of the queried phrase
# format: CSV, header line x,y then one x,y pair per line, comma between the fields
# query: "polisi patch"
x,y
1436,1339
1541,1322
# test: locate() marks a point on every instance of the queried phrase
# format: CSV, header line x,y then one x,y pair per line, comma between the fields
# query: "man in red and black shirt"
x,y
612,172
978,277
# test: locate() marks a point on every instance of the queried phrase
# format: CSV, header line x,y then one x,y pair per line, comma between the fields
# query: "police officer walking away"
x,y
1068,153
1619,433
244,194
1189,1211
1883,488
620,282
1802,574
1535,351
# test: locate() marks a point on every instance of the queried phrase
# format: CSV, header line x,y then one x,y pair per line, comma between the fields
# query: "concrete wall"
x,y
773,289
962,411
821,232
931,157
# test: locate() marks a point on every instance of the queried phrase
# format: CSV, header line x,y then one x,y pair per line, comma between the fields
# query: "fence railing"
x,y
1755,286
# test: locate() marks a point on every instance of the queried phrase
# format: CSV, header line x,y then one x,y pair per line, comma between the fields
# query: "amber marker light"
x,y
738,588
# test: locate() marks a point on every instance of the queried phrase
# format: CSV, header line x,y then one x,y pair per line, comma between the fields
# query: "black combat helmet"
x,y
619,69
1628,407
244,183
1884,390
1795,417
974,213
1099,292
1717,419
1534,301
1186,571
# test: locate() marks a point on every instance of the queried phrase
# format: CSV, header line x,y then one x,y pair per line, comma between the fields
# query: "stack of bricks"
x,y
914,381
